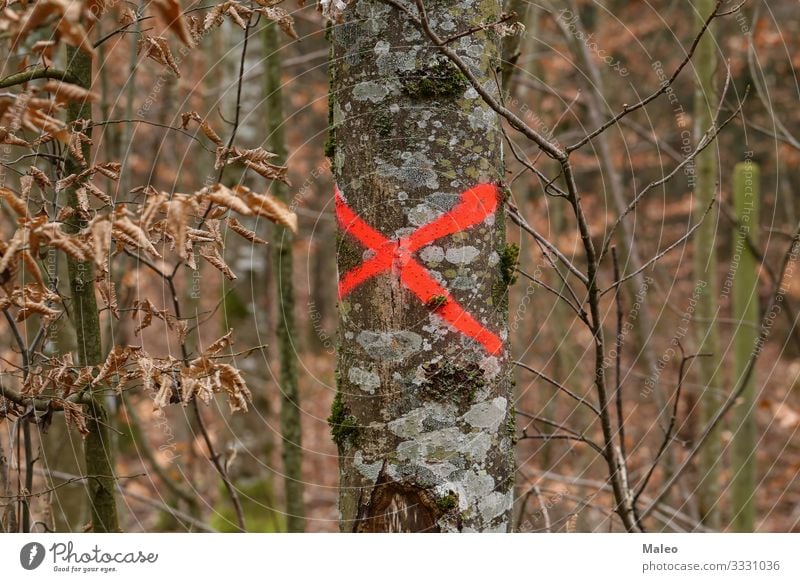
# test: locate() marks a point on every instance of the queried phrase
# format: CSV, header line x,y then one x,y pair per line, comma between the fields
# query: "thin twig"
x,y
560,386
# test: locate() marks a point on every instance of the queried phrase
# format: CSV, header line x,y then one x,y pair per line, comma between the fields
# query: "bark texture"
x,y
98,447
282,266
705,268
745,309
423,415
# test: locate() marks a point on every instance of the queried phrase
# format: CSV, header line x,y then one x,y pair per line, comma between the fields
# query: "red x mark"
x,y
475,205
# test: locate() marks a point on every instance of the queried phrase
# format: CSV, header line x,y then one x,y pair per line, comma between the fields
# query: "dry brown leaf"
x,y
15,202
244,232
66,92
40,178
73,414
219,345
282,18
157,48
163,394
130,233
223,196
204,126
170,11
211,254
7,137
234,385
274,209
108,292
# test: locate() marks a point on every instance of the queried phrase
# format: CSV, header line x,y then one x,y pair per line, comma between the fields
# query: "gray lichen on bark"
x,y
422,416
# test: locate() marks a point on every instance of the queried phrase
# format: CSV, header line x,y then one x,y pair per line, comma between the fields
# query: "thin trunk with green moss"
x,y
282,261
705,269
746,312
98,450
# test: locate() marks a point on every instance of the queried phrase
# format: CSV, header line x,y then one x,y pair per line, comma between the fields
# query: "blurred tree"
x,y
746,313
282,265
705,266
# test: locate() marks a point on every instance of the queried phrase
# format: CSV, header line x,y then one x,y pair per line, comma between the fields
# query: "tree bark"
x,y
746,312
98,448
705,269
422,415
283,269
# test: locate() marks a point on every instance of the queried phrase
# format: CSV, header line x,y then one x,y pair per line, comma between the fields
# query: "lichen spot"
x,y
366,380
462,255
389,345
370,91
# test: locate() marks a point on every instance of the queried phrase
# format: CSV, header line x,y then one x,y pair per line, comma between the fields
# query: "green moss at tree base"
x,y
447,503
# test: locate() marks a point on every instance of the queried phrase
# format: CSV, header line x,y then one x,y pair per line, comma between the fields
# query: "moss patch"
x,y
382,124
509,259
445,382
344,426
440,80
436,301
447,503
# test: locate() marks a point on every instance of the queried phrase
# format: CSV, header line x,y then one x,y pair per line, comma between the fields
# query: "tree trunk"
x,y
98,449
422,415
745,311
705,270
287,336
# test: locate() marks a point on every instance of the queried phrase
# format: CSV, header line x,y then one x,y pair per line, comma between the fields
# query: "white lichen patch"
x,y
370,91
482,119
432,254
416,170
494,258
490,366
389,345
412,425
368,470
494,504
445,445
462,255
423,214
487,415
367,380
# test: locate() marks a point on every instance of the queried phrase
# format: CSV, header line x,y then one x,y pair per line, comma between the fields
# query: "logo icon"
x,y
31,555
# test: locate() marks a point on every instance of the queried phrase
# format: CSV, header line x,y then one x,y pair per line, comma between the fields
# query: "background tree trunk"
x,y
705,269
98,448
745,311
422,416
287,336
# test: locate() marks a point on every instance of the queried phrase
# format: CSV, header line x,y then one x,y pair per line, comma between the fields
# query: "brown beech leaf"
x,y
66,92
170,12
73,414
274,209
244,232
211,254
282,18
157,48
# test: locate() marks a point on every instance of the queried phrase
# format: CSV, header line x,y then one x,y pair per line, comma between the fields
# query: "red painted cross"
x,y
475,205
